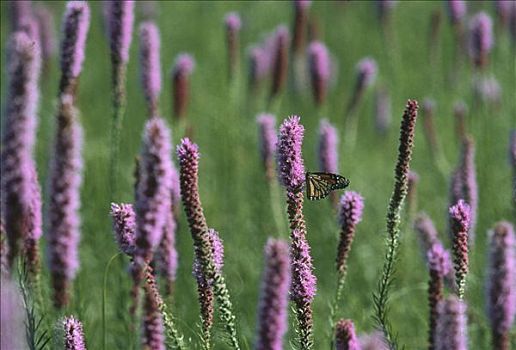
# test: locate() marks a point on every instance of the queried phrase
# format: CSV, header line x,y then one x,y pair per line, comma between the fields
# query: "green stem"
x,y
104,295
274,197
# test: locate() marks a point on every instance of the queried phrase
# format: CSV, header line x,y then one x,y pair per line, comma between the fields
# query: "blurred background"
x,y
415,48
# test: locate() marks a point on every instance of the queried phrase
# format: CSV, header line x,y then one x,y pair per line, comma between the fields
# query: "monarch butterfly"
x,y
319,185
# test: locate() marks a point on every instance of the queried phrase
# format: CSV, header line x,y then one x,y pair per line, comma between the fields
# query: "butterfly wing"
x,y
319,185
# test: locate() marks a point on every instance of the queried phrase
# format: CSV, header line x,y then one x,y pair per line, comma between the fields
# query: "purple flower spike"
x,y
427,233
439,259
367,70
480,38
456,11
273,306
63,210
279,60
290,161
501,284
320,70
439,264
47,41
124,226
150,64
19,11
451,332
153,196
232,21
120,28
345,336
18,138
460,221
350,214
258,66
328,147
268,139
73,334
503,10
154,187
183,67
75,26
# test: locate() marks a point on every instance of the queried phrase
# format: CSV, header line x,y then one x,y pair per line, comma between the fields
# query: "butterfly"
x,y
319,185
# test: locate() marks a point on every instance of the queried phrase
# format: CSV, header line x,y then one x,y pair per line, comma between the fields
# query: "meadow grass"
x,y
233,187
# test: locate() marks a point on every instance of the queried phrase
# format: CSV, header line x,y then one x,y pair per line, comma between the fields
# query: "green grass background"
x,y
232,184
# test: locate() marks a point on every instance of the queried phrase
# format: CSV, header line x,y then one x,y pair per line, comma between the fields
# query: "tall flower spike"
x,y
188,154
350,214
456,11
300,25
439,265
273,305
183,67
451,332
47,41
268,139
73,334
233,24
320,70
501,284
75,26
18,138
480,39
366,70
64,192
19,11
468,182
460,221
120,29
345,336
351,207
382,110
280,60
150,65
124,227
292,173
153,195
427,233
119,18
328,147
503,11
258,67
406,145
